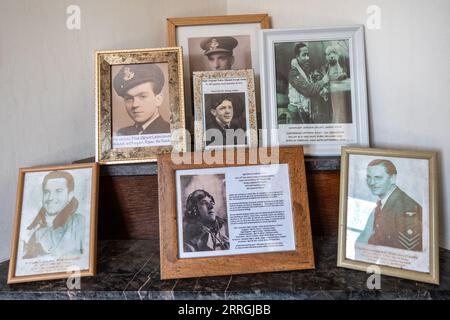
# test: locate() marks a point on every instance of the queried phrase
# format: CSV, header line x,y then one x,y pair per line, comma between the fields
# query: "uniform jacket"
x,y
398,226
63,238
199,237
304,96
159,125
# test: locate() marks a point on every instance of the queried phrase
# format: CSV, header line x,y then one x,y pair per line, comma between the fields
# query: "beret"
x,y
133,75
218,44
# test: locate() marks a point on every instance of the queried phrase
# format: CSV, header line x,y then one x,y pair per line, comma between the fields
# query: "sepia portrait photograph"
x,y
313,82
225,109
220,53
388,215
203,222
140,104
55,228
314,88
217,43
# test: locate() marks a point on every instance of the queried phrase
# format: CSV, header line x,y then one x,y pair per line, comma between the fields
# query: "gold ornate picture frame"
x,y
388,216
234,92
125,131
55,226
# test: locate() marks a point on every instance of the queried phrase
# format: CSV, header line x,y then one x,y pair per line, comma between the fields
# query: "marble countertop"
x,y
129,269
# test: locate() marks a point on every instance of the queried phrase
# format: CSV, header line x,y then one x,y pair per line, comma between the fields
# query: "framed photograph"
x,y
140,105
217,43
388,213
55,226
246,217
314,88
225,109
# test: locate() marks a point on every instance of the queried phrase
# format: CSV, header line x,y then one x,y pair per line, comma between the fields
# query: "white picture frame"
x,y
356,133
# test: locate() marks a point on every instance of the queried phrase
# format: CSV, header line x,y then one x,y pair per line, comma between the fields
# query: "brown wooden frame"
x,y
17,221
342,261
173,23
174,267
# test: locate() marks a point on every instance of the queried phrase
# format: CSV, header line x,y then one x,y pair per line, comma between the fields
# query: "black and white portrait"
x,y
204,216
388,211
313,84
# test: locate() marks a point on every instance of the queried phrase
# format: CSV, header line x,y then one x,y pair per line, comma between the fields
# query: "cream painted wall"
x,y
47,77
408,70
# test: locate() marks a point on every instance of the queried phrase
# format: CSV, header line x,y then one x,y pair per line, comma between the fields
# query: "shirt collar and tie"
x,y
140,128
384,200
222,125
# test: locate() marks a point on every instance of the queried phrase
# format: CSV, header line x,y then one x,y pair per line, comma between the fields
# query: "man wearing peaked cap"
x,y
140,86
219,51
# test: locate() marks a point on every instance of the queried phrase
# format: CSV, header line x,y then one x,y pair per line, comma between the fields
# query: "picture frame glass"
x,y
140,104
213,211
388,212
140,115
315,89
225,109
54,235
217,40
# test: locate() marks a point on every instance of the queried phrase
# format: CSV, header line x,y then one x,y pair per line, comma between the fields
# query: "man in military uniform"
x,y
57,229
308,91
141,85
396,221
203,230
219,51
225,113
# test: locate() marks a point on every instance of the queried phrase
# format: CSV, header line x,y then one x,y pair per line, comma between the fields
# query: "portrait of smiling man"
x,y
225,112
219,52
216,53
396,221
141,88
58,228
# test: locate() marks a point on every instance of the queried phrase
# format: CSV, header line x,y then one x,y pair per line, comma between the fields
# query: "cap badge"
x,y
127,74
214,44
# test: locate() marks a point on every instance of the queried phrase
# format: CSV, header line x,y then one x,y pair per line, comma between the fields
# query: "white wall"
x,y
408,70
47,77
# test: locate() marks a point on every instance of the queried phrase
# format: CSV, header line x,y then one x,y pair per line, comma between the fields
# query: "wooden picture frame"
x,y
212,263
187,32
388,215
136,126
314,91
45,188
235,88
